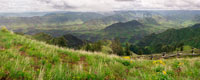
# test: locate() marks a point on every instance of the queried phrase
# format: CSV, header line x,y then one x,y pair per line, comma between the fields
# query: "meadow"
x,y
25,59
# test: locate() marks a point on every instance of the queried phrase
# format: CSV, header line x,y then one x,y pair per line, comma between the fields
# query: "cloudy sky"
x,y
96,5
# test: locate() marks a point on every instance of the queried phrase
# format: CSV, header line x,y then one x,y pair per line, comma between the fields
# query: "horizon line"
x,y
102,11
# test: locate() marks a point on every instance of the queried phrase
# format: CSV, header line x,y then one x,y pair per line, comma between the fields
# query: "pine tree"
x,y
117,48
127,50
60,41
88,47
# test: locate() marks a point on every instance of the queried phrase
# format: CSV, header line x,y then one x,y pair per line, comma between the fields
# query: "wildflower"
x,y
154,62
164,72
159,62
163,64
126,57
180,64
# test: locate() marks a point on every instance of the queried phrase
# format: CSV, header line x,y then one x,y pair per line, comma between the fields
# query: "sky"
x,y
96,5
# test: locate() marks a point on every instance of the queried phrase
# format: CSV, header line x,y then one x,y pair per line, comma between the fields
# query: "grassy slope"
x,y
23,58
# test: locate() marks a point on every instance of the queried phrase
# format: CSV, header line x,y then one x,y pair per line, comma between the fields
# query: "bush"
x,y
4,29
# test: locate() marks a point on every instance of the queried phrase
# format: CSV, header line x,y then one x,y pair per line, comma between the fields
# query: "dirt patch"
x,y
36,64
63,55
36,67
83,62
2,48
35,59
22,53
82,58
18,46
141,67
6,76
66,59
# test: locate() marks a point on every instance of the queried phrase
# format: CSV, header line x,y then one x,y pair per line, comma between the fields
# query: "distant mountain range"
x,y
94,26
25,14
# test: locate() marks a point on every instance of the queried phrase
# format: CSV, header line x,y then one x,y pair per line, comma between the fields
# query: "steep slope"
x,y
23,58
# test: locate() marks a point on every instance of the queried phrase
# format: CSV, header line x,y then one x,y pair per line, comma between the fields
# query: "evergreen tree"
x,y
134,48
97,46
140,52
60,41
117,48
88,47
127,50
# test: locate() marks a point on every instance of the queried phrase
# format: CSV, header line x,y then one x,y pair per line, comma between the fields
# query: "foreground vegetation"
x,y
23,58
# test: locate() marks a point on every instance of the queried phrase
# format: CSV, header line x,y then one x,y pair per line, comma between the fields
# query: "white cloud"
x,y
95,5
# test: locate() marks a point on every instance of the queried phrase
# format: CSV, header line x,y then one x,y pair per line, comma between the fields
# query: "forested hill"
x,y
125,31
122,26
173,38
66,40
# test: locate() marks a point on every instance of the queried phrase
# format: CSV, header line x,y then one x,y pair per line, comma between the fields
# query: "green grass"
x,y
23,58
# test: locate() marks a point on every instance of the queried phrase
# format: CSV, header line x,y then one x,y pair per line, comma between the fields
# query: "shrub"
x,y
4,29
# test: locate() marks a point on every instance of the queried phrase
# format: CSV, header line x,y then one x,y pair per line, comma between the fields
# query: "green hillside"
x,y
26,59
126,30
172,38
